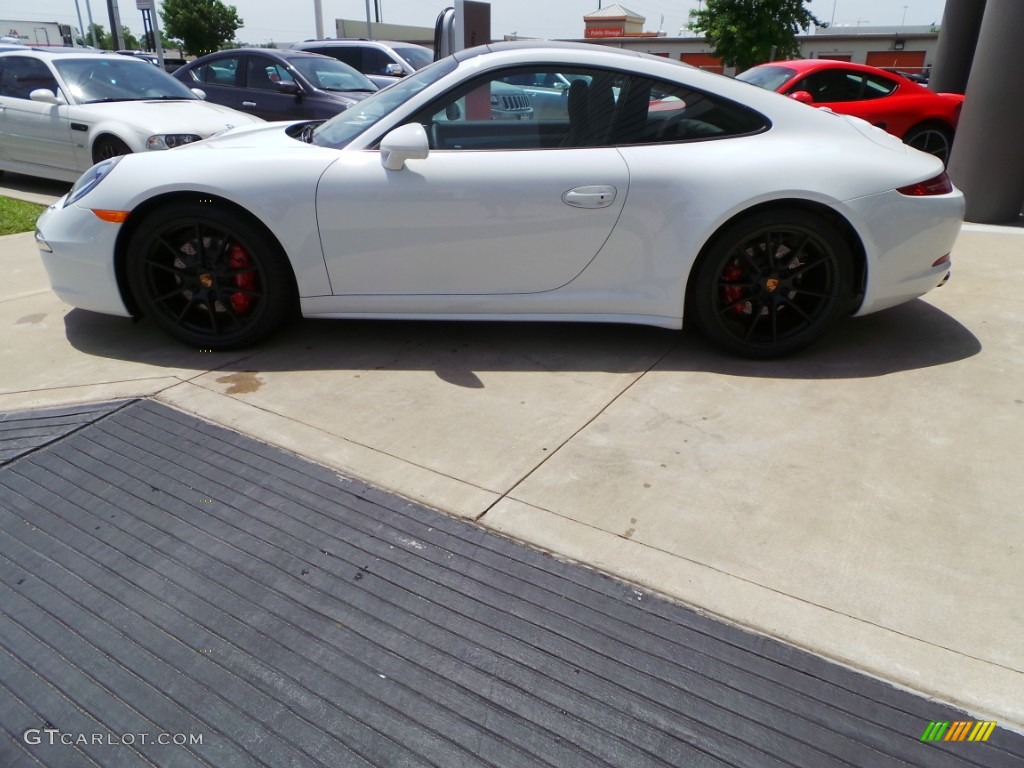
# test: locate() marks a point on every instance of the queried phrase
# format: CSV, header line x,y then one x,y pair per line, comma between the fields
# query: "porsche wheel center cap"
x,y
771,284
206,280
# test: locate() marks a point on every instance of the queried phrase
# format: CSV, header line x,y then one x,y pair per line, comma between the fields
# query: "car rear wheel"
x,y
107,147
209,277
772,283
932,138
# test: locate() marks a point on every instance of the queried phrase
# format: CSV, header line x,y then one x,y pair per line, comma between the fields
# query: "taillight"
x,y
940,185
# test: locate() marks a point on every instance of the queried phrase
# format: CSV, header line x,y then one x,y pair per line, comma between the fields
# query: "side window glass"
x,y
652,111
375,62
222,71
557,107
264,73
875,87
833,85
22,75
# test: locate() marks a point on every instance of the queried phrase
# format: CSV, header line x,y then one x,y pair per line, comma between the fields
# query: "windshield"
x,y
345,126
118,78
330,74
770,78
417,57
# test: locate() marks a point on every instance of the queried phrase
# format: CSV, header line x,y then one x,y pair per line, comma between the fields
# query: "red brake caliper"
x,y
239,259
733,293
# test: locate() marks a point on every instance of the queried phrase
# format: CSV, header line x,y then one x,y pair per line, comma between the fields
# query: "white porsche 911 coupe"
x,y
645,191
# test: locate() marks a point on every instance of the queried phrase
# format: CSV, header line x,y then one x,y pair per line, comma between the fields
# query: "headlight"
x,y
171,140
89,180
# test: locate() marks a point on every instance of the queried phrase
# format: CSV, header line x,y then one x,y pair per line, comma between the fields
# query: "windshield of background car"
x,y
345,126
330,74
119,78
418,58
770,78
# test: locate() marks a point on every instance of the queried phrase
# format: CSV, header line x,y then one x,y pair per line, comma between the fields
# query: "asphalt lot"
x,y
860,500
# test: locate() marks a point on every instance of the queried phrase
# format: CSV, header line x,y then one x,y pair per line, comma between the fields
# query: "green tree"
x,y
106,42
202,25
747,32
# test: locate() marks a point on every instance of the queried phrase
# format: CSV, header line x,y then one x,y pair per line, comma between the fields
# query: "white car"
x,y
662,192
61,112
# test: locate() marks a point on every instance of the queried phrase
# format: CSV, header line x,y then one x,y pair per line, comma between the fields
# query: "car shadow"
x,y
912,336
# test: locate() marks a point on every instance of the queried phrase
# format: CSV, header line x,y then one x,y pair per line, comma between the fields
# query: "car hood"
x,y
185,116
255,136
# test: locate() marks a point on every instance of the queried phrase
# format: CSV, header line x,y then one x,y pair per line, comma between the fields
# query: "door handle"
x,y
592,196
248,103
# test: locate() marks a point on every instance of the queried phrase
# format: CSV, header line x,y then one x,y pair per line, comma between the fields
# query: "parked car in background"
x,y
145,56
60,112
663,192
277,84
909,111
383,61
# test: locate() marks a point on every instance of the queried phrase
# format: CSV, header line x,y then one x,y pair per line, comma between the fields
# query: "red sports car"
x,y
921,118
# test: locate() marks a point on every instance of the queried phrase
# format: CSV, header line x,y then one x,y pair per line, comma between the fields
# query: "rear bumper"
x,y
908,238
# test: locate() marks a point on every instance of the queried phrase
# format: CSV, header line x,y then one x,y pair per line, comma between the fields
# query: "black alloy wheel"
x,y
772,283
931,138
208,276
108,147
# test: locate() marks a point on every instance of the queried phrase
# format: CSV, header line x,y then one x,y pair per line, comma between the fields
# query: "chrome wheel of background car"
x,y
931,138
107,147
772,283
208,277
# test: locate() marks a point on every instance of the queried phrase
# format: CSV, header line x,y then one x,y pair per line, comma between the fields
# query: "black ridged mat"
x,y
165,579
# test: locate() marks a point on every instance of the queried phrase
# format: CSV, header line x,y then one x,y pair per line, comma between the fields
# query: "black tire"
x,y
933,138
209,276
772,283
107,147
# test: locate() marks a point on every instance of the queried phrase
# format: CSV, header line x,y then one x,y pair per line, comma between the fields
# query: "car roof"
x,y
351,40
805,65
81,53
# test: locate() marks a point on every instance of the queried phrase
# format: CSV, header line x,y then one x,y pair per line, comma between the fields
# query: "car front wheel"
x,y
772,283
208,276
107,147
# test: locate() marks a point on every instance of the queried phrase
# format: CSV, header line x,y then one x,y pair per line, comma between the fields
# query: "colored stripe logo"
x,y
961,730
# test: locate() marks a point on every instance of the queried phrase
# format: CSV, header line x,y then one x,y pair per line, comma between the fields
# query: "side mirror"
x,y
289,87
394,70
407,142
46,96
200,93
802,96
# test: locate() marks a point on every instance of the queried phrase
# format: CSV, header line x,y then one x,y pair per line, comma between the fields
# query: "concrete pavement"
x,y
861,500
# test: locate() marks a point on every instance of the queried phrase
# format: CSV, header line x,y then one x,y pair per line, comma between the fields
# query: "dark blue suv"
x,y
277,84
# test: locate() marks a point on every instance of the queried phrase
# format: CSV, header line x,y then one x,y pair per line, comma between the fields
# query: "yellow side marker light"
x,y
114,217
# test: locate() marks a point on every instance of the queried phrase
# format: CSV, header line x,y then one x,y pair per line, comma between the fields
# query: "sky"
x,y
292,20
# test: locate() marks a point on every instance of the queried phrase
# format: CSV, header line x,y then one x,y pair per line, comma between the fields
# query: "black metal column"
x,y
958,37
987,162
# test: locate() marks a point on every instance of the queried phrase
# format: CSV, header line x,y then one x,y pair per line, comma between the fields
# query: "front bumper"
x,y
77,249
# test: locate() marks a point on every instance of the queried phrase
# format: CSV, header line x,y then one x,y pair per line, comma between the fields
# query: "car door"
x,y
33,132
499,206
219,77
263,97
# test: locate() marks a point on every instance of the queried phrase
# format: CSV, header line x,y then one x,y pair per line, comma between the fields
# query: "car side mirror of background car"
x,y
407,142
46,96
199,92
289,87
804,97
394,70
